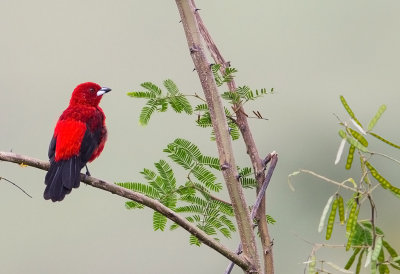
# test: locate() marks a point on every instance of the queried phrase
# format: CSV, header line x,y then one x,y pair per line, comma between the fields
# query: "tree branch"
x,y
251,147
187,13
273,157
140,198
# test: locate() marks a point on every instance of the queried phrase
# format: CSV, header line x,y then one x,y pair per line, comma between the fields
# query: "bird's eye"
x,y
91,89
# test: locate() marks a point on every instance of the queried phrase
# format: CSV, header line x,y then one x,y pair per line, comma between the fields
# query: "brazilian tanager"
x,y
79,137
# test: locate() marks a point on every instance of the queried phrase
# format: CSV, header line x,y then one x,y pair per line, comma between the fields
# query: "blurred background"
x,y
310,52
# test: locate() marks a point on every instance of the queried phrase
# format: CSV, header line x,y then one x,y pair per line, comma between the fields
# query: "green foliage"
x,y
246,178
204,120
244,94
159,102
226,77
363,242
195,198
364,237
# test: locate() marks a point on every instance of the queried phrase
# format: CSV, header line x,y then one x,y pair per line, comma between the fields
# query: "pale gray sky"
x,y
309,51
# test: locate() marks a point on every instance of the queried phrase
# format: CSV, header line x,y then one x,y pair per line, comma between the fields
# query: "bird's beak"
x,y
103,90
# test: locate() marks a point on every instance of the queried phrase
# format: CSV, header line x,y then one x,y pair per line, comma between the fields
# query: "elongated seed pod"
x,y
350,156
349,224
377,249
324,213
341,209
358,136
331,220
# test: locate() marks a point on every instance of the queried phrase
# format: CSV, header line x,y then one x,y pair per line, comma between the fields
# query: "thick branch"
x,y
137,197
249,142
273,157
221,131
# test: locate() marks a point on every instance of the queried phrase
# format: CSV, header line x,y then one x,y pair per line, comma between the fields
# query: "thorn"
x,y
194,69
211,65
197,9
180,21
225,166
228,63
193,49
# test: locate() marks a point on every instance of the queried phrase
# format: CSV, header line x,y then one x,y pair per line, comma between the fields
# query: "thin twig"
x,y
17,186
140,198
328,180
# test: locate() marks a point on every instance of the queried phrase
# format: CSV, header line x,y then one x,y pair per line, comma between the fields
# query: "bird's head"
x,y
88,94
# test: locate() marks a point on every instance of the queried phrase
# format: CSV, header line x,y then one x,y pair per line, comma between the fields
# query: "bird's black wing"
x,y
64,175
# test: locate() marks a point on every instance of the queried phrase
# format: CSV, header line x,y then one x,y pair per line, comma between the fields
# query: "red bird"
x,y
79,137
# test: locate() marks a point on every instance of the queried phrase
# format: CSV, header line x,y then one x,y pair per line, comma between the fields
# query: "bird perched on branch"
x,y
79,137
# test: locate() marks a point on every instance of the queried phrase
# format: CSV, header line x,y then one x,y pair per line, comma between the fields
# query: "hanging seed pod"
x,y
331,220
341,209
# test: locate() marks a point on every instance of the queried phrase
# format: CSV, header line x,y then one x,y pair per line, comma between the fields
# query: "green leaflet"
x,y
142,94
349,111
375,119
390,249
133,204
352,258
171,87
152,88
358,267
227,76
193,240
141,188
157,102
147,111
159,221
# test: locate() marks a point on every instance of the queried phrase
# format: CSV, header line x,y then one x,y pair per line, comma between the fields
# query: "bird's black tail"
x,y
61,177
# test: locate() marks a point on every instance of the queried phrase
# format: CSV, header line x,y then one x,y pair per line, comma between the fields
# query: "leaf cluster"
x,y
157,101
195,198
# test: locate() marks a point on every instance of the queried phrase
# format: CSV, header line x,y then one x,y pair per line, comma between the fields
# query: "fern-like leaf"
x,y
141,188
142,94
154,89
166,174
194,241
232,97
171,87
190,209
248,182
215,70
148,174
147,111
133,205
201,107
207,178
159,221
212,162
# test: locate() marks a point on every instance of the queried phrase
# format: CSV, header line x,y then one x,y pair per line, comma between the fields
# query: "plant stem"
x,y
251,147
228,166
